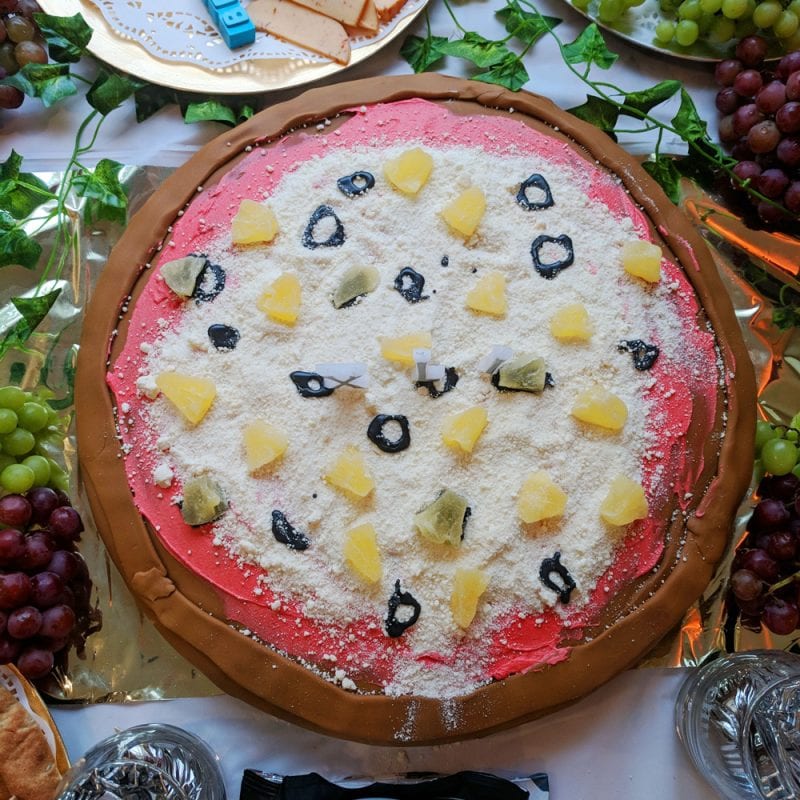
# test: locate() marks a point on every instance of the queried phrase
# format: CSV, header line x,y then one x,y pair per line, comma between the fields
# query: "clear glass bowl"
x,y
714,717
146,762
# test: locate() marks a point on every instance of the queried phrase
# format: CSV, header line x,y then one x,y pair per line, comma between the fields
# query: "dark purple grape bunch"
x,y
765,577
21,43
44,583
760,124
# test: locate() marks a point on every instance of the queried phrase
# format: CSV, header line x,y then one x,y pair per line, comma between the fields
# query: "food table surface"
x,y
618,742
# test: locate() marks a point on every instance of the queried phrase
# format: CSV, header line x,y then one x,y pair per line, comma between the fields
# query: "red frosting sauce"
x,y
526,639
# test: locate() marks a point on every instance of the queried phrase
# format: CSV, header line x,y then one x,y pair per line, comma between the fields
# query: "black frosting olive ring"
x,y
554,565
223,337
336,239
551,268
201,295
537,181
286,533
309,384
644,354
396,627
379,438
357,183
410,284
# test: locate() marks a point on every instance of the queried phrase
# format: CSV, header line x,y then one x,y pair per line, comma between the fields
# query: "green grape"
x,y
786,25
745,27
18,442
796,471
795,421
766,13
12,397
792,435
40,467
711,6
733,9
58,478
633,3
6,460
8,420
779,456
705,23
610,10
686,32
17,478
665,30
49,443
791,43
690,9
794,7
32,416
722,30
582,5
764,432
758,471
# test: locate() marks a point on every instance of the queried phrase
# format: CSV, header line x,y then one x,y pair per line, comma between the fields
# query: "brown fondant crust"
x,y
184,610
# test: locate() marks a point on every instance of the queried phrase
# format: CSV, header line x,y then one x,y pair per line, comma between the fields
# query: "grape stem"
x,y
784,582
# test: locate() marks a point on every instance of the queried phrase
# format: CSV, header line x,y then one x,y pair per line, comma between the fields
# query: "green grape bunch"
x,y
30,434
778,448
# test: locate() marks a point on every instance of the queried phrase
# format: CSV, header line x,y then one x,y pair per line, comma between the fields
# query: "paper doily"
x,y
186,34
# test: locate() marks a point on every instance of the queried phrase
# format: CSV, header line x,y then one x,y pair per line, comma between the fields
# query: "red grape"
x,y
25,622
3,621
787,117
30,53
771,97
747,170
747,83
39,549
28,8
782,546
34,662
19,28
65,564
788,151
763,137
15,589
746,585
43,500
46,589
793,86
770,213
58,622
761,564
768,515
726,131
788,64
772,183
751,50
65,524
15,511
745,117
9,649
12,546
780,616
726,71
791,198
728,100
780,487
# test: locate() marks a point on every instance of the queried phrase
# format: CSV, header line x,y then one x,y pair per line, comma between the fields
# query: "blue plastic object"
x,y
232,21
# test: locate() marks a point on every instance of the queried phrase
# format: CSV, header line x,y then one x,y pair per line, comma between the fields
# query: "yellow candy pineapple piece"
x,y
466,211
253,223
468,586
280,301
624,502
410,171
263,444
598,406
571,323
488,296
540,498
642,259
349,474
362,554
462,431
400,349
191,396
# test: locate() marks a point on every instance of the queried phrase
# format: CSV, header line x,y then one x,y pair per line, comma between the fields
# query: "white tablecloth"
x,y
617,743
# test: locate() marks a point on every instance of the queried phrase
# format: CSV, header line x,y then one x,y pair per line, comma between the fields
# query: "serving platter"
x,y
247,76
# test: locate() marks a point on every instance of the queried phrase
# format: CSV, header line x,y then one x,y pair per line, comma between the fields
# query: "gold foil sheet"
x,y
128,660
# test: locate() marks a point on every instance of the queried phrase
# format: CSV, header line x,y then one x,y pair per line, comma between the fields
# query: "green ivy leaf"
x,y
33,311
666,174
49,82
67,37
599,112
245,113
646,99
510,72
16,247
786,317
687,121
105,198
525,25
210,111
589,48
20,192
110,90
702,162
151,98
422,53
473,47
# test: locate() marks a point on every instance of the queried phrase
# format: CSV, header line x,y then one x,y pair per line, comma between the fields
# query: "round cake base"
x,y
189,612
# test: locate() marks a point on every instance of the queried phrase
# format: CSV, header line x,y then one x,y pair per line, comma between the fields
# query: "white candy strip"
x,y
491,362
346,373
424,370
